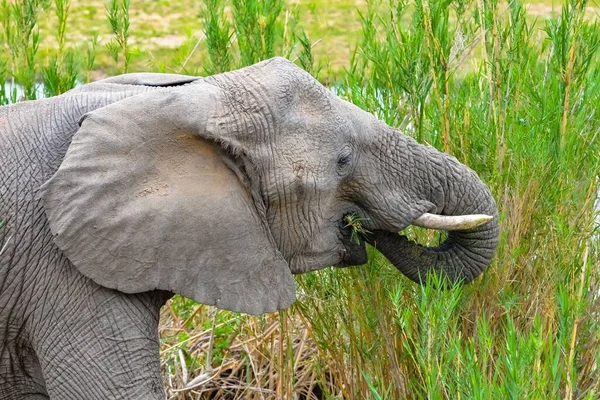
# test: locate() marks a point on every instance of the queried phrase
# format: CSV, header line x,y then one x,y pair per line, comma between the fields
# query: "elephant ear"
x,y
144,200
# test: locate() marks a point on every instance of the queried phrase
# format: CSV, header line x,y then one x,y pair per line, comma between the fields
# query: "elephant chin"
x,y
353,254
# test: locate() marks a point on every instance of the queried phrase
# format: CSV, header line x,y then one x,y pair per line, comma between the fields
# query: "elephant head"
x,y
221,188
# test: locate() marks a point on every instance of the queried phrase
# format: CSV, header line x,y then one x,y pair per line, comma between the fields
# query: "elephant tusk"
x,y
5,245
451,222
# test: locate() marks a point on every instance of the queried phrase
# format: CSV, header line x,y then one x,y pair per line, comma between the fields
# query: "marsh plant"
x,y
512,96
25,74
20,39
117,13
254,31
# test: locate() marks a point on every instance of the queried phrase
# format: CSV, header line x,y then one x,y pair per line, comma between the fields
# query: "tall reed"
x,y
514,109
20,39
25,74
119,48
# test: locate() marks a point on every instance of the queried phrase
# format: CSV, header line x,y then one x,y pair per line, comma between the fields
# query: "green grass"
x,y
511,93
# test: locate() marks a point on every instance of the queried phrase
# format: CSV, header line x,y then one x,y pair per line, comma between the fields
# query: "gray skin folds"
x,y
122,192
462,257
453,190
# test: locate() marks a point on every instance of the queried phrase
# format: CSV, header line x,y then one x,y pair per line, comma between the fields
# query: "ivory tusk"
x,y
451,222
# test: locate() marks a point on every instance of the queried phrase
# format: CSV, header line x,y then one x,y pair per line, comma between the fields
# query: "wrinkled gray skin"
x,y
216,188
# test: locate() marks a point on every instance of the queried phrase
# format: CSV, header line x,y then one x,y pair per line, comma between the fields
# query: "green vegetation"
x,y
513,95
357,230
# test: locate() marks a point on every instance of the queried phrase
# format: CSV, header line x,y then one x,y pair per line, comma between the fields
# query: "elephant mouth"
x,y
353,251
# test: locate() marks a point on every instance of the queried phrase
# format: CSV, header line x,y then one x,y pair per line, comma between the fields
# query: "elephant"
x,y
122,192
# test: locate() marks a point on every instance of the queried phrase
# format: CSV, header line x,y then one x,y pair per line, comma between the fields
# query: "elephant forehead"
x,y
315,99
288,89
316,127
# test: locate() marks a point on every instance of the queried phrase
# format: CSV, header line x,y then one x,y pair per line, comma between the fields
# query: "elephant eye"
x,y
344,160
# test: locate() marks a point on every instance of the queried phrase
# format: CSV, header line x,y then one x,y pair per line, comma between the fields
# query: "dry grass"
x,y
266,357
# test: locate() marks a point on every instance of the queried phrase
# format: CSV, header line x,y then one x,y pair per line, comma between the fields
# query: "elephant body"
x,y
45,327
113,197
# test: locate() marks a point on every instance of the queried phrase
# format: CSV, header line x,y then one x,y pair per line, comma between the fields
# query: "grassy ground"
x,y
510,91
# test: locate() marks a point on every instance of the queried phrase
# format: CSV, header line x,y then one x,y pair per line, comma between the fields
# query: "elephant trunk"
x,y
454,190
